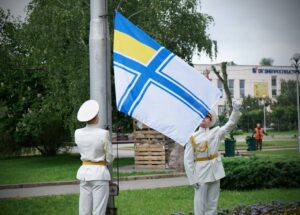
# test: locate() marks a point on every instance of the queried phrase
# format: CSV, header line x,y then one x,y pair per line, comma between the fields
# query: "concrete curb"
x,y
58,183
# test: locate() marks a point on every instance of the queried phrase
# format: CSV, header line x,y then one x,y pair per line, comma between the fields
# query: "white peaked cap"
x,y
88,110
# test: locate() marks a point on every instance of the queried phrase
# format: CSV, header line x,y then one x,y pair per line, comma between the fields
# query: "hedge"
x,y
255,173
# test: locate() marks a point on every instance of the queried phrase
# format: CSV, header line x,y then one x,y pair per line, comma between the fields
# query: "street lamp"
x,y
295,62
264,103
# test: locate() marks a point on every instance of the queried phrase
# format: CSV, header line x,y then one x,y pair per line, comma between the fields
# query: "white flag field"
x,y
156,87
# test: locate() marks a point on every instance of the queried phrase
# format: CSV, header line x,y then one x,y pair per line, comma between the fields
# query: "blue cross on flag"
x,y
156,87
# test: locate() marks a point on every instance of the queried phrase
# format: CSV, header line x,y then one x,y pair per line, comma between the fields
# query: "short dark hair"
x,y
209,116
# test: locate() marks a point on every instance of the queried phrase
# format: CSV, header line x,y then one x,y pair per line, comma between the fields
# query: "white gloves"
x,y
196,186
236,105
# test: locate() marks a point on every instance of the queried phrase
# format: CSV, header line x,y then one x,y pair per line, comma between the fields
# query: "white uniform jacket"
x,y
207,142
93,145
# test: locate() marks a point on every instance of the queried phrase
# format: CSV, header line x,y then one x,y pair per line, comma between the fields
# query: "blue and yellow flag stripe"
x,y
132,42
132,48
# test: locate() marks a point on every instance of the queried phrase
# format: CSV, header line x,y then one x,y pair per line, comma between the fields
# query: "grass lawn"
x,y
278,154
44,169
281,143
161,201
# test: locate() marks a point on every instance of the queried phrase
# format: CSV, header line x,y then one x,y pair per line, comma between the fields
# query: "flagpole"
x,y
100,83
98,61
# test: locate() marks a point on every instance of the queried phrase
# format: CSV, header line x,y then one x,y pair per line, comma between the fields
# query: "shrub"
x,y
274,207
260,173
45,131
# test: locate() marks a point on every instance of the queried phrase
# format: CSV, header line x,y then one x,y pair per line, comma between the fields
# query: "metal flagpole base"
x,y
113,191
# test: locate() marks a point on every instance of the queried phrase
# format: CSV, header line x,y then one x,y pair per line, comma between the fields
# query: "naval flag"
x,y
155,86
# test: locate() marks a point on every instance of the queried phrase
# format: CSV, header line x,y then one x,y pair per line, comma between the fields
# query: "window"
x,y
274,83
220,86
242,88
220,109
274,86
231,86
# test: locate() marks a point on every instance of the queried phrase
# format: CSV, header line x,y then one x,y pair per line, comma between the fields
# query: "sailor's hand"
x,y
196,186
236,105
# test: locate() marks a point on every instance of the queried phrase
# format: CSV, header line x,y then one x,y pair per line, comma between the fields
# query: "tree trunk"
x,y
223,77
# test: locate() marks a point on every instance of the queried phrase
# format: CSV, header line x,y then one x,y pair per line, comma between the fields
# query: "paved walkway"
x,y
124,150
74,188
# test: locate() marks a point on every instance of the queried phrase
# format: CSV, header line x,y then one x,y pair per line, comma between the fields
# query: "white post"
x,y
264,103
295,62
265,126
298,109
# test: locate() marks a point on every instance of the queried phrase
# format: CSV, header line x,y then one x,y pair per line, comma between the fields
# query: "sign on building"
x,y
261,89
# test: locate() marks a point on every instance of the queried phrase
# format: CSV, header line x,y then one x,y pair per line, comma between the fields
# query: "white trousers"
x,y
93,197
206,198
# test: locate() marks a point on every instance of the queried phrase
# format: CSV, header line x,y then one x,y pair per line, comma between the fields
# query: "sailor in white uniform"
x,y
203,164
96,152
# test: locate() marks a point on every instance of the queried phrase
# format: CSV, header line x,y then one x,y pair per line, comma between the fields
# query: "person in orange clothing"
x,y
259,135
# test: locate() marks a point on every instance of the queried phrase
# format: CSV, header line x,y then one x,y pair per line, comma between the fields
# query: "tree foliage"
x,y
48,79
45,67
284,111
10,101
288,94
266,62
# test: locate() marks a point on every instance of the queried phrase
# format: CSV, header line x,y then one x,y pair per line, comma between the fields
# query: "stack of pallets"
x,y
150,148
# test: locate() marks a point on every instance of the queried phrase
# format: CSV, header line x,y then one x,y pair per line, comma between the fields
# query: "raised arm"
x,y
233,119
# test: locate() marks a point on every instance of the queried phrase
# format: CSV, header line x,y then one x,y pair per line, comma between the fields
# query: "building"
x,y
244,80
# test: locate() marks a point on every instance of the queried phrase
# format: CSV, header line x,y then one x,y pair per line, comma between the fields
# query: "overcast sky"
x,y
246,30
249,30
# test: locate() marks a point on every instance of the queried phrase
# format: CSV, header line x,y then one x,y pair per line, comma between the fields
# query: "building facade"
x,y
244,80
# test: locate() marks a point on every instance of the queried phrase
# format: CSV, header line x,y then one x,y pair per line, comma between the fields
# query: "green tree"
x,y
51,66
284,110
252,112
9,79
287,95
266,62
250,103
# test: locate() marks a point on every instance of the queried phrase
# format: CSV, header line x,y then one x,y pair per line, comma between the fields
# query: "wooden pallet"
x,y
150,156
152,149
149,137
